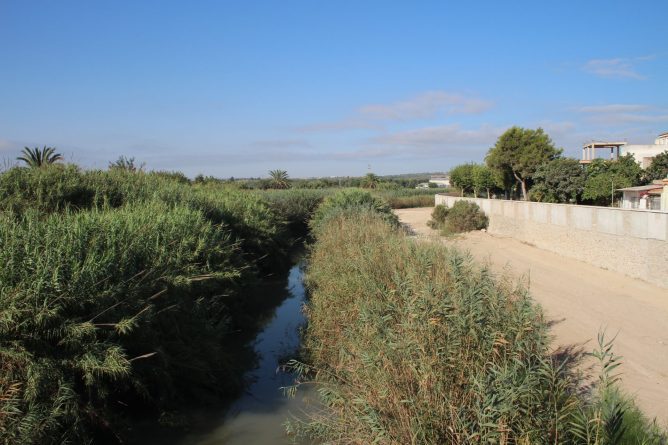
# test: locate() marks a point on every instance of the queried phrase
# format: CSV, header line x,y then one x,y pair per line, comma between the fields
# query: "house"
x,y
653,196
440,181
643,154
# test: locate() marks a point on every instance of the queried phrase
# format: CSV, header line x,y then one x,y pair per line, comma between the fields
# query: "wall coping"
x,y
661,212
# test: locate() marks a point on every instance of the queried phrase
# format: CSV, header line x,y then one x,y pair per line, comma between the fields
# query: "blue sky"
x,y
325,88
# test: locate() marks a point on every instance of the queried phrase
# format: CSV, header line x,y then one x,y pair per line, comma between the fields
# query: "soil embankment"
x,y
581,299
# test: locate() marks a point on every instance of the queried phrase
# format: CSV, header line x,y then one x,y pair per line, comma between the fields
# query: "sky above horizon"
x,y
325,88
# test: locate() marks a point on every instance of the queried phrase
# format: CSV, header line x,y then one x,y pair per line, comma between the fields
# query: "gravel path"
x,y
580,299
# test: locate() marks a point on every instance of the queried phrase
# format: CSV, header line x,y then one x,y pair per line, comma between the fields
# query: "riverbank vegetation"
x,y
413,343
121,290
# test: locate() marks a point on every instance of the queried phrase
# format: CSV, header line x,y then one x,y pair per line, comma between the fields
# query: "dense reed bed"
x,y
119,293
413,343
406,198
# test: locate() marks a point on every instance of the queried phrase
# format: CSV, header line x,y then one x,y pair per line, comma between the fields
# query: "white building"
x,y
645,153
646,197
440,181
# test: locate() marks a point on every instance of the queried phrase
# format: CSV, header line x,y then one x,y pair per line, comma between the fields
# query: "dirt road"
x,y
581,299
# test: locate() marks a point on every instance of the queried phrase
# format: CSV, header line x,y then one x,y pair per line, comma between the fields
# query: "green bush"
x,y
351,201
51,188
296,206
438,216
464,216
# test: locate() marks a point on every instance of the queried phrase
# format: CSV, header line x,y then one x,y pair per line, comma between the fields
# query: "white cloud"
x,y
442,134
426,105
617,114
280,143
614,108
345,124
620,68
430,142
422,106
629,118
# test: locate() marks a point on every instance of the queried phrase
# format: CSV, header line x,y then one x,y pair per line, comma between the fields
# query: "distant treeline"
x,y
368,181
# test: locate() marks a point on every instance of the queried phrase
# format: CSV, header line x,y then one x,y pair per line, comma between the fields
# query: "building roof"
x,y
641,188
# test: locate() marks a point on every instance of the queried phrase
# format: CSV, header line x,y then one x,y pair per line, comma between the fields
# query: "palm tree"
x,y
279,179
39,157
370,181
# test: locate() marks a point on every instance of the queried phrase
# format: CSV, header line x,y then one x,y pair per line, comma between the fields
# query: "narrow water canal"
x,y
257,417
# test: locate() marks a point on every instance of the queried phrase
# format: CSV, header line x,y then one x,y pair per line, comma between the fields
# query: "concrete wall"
x,y
630,242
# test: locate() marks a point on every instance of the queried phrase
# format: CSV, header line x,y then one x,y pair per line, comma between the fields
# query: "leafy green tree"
x,y
279,179
560,180
658,169
604,177
519,152
39,157
483,179
126,164
462,177
370,181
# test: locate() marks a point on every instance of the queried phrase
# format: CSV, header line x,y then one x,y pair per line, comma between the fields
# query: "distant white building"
x,y
645,153
440,181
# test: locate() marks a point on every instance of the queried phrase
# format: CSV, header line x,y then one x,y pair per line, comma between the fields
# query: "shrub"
x,y
51,188
352,201
438,216
464,216
295,206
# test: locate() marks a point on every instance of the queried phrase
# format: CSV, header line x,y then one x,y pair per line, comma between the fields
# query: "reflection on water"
x,y
257,417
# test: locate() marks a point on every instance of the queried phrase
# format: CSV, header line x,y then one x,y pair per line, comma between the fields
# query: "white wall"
x,y
631,242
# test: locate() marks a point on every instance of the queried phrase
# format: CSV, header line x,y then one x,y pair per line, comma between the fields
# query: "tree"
x,y
279,179
561,180
519,153
127,164
39,157
604,177
462,177
483,179
658,169
370,181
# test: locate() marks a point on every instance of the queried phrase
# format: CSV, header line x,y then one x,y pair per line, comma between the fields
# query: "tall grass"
x,y
119,293
413,343
104,309
407,198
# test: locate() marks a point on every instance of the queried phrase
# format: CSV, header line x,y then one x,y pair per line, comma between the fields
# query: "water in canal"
x,y
257,417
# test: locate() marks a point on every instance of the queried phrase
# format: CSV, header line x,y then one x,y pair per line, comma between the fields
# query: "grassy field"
x,y
413,343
